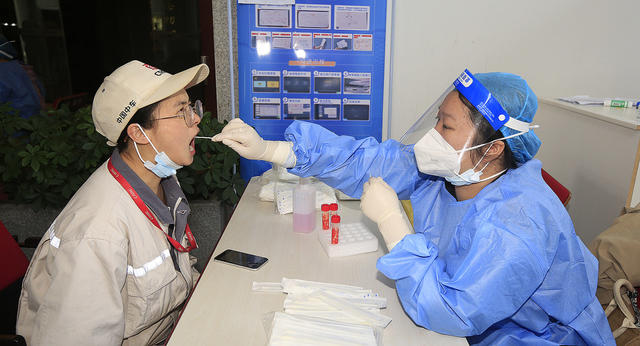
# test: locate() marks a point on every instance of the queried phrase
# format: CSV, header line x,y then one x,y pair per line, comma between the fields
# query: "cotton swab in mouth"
x,y
201,137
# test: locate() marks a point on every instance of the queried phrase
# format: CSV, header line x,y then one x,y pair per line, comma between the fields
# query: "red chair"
x,y
562,192
74,102
14,266
14,261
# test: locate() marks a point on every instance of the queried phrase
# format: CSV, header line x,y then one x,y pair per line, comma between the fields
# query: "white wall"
x,y
597,172
561,47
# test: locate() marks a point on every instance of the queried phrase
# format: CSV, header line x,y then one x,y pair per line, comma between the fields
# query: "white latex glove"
x,y
380,203
247,143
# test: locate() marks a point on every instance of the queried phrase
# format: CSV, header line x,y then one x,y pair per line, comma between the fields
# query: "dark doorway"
x,y
102,35
73,45
39,37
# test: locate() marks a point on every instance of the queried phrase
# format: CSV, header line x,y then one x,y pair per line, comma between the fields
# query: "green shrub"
x,y
47,157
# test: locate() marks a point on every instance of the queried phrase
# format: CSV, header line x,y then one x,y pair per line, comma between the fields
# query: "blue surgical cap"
x,y
519,101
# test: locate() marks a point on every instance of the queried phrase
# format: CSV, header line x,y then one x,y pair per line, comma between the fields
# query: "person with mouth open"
x,y
114,267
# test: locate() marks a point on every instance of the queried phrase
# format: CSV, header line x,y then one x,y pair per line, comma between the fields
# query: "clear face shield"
x,y
446,136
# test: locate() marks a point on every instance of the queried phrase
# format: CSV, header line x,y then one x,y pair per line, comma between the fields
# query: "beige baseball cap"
x,y
135,85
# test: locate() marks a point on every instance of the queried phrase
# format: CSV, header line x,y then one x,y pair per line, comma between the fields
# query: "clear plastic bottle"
x,y
304,206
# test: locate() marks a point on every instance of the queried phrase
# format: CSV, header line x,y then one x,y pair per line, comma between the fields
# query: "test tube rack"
x,y
354,238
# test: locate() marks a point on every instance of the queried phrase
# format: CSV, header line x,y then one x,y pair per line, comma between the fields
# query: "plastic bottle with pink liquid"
x,y
304,206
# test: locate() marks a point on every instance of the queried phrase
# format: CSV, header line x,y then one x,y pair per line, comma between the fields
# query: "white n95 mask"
x,y
435,156
164,166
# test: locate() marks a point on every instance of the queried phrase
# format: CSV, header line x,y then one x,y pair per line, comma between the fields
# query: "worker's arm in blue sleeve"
x,y
495,278
346,163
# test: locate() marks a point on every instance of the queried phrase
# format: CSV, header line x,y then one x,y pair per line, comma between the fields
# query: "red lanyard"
x,y
147,212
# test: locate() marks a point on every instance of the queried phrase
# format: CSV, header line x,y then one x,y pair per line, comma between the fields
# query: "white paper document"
x,y
295,108
363,43
267,110
331,112
281,42
314,19
352,18
582,100
302,43
273,16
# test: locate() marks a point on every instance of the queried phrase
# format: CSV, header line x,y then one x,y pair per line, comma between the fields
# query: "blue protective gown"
x,y
503,268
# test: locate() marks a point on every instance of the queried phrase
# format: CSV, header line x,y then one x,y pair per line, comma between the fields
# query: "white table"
x,y
223,309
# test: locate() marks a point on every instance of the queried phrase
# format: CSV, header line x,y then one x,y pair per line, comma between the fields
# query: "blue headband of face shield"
x,y
486,103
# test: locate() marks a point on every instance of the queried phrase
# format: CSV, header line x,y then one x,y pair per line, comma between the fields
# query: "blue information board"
x,y
317,61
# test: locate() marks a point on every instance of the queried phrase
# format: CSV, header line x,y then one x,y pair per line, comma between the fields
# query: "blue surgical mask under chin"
x,y
164,166
470,176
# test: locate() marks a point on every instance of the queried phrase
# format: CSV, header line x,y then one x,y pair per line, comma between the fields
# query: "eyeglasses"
x,y
188,114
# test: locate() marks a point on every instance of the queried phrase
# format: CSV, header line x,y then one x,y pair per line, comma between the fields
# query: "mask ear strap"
x,y
483,167
493,176
135,145
501,139
483,155
145,136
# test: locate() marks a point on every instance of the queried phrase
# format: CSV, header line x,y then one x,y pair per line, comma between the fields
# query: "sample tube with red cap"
x,y
325,216
333,210
335,229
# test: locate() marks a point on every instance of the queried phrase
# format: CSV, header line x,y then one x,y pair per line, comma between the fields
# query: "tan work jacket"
x,y
103,274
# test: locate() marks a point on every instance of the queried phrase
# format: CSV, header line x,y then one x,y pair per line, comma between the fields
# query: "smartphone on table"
x,y
241,259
